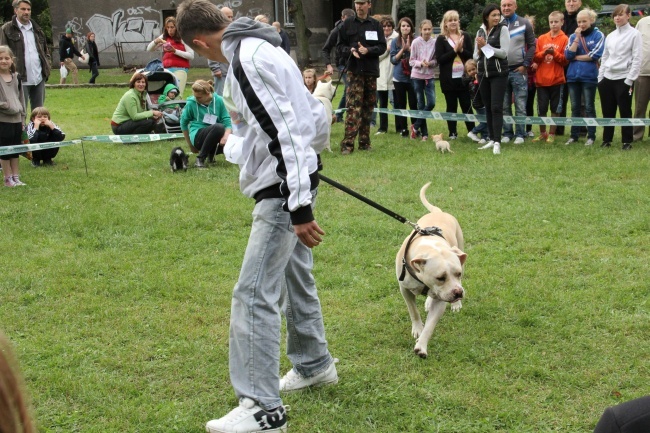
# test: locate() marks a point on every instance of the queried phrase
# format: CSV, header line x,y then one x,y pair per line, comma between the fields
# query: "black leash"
x,y
417,230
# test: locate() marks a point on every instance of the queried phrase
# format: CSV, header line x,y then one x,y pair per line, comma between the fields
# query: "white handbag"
x,y
84,57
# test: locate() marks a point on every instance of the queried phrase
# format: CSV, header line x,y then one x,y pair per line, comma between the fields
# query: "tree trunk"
x,y
420,13
302,33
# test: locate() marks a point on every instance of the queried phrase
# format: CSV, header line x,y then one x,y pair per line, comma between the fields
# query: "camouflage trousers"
x,y
361,96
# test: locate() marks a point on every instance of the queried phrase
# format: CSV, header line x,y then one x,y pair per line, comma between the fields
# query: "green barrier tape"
x,y
519,120
131,139
22,148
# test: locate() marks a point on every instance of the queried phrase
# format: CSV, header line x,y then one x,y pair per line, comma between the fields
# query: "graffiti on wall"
x,y
128,27
235,5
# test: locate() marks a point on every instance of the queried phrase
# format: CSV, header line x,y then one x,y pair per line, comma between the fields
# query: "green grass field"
x,y
116,285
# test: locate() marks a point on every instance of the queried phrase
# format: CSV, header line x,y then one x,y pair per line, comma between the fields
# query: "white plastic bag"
x,y
64,72
84,57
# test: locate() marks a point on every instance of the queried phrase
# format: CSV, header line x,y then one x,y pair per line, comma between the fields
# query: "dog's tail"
x,y
425,202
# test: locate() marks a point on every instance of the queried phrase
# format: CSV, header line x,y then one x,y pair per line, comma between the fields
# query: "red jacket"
x,y
550,67
171,60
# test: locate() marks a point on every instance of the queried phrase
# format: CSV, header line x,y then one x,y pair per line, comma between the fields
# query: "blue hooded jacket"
x,y
585,72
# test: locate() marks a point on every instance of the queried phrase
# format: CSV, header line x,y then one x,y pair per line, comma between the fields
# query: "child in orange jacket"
x,y
550,61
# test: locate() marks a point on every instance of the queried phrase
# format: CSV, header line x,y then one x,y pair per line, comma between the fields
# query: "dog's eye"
x,y
442,279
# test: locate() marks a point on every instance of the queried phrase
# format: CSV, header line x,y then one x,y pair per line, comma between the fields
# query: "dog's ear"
x,y
461,255
418,264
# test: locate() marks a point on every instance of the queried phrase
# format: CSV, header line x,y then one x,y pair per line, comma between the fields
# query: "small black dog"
x,y
178,160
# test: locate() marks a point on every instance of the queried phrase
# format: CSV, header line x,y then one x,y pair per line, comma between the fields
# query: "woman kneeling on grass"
x,y
132,115
205,122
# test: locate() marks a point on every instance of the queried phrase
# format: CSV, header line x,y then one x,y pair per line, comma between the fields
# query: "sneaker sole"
x,y
282,429
315,385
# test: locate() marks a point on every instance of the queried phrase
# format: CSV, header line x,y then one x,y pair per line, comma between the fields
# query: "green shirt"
x,y
130,107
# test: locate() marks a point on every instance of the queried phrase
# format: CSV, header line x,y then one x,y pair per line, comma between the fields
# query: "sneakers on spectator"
x,y
589,142
9,182
473,137
453,136
488,145
482,141
414,133
551,138
606,144
627,146
199,163
519,140
505,139
250,418
379,132
17,181
541,137
530,134
496,149
571,141
425,137
294,381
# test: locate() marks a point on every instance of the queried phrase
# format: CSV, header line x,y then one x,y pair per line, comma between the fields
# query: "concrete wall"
x,y
134,23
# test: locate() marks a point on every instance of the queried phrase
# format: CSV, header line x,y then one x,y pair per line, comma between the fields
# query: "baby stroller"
x,y
157,81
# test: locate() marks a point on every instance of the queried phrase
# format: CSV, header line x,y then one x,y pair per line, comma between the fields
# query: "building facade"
x,y
124,28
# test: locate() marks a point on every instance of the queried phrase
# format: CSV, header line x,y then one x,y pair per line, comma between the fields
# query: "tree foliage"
x,y
470,11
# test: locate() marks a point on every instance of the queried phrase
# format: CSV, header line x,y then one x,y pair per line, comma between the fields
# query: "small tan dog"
x,y
431,263
441,144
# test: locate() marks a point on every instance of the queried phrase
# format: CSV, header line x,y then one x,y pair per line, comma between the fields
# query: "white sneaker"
x,y
482,141
488,145
294,381
530,134
589,142
473,136
496,149
519,140
505,139
249,418
571,141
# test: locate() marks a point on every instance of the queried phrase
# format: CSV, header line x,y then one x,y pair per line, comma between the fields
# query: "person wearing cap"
x,y
67,51
29,45
361,42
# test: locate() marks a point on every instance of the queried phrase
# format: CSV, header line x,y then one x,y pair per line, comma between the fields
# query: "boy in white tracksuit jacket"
x,y
278,129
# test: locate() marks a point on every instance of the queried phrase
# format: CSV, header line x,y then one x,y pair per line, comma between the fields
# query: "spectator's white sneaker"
x,y
482,141
473,137
530,134
488,145
496,149
294,381
589,142
519,140
250,418
505,139
572,140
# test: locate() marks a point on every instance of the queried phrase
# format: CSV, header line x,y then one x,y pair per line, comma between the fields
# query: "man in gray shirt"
x,y
28,43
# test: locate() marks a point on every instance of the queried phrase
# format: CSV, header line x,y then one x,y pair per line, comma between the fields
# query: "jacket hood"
x,y
169,87
247,28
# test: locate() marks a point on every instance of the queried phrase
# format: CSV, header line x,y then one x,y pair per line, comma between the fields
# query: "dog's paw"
x,y
416,329
420,350
456,306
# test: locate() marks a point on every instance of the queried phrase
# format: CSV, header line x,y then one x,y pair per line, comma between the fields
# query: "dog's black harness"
x,y
427,231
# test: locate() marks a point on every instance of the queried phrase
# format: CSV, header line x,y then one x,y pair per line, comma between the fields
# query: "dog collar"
x,y
427,231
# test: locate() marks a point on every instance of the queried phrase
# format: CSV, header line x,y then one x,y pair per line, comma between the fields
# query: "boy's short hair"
x,y
197,17
556,14
39,111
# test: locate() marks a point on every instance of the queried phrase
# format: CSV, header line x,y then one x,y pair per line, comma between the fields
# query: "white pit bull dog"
x,y
430,262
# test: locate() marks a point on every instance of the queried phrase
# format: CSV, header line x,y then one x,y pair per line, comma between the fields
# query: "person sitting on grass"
x,y
205,122
41,129
132,115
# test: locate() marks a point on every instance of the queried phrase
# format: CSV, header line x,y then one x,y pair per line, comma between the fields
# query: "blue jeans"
x,y
425,92
517,85
482,127
274,256
576,92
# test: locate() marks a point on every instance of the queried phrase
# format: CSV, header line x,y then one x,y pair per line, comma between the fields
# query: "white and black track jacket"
x,y
278,126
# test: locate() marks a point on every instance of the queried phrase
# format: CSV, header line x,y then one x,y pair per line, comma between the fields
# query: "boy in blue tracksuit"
x,y
278,130
583,51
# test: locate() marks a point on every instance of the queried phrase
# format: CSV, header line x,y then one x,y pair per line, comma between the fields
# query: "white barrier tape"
x,y
22,148
131,139
519,120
